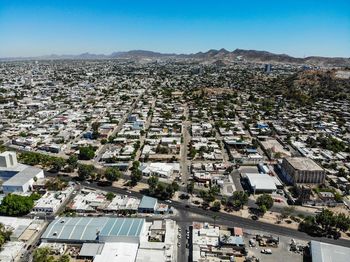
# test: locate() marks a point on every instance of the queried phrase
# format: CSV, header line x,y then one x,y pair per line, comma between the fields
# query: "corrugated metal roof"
x,y
323,252
89,229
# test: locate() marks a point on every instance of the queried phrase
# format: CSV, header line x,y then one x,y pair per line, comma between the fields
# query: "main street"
x,y
228,219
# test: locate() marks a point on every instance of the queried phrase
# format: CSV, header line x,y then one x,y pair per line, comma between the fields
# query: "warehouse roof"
x,y
261,181
323,252
89,229
23,176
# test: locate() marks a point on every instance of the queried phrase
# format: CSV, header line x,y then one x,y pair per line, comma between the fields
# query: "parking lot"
x,y
280,253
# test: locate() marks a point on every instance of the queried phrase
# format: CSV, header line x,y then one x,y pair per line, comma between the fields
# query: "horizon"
x,y
38,28
163,53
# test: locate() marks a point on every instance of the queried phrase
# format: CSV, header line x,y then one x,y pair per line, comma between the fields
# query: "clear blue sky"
x,y
298,27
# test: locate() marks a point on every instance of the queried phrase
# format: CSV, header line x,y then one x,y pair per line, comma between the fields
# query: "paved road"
x,y
184,221
184,148
231,220
105,147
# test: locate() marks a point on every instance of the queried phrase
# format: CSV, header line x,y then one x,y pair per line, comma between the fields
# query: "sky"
x,y
298,28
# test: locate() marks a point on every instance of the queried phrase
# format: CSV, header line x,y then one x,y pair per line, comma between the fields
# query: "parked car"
x,y
266,251
252,242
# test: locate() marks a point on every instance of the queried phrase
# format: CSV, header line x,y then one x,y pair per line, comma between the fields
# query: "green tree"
x,y
85,171
58,164
152,182
73,161
64,258
16,205
190,187
175,186
112,174
136,176
326,219
238,199
216,206
43,255
4,235
110,196
135,165
86,153
264,202
342,222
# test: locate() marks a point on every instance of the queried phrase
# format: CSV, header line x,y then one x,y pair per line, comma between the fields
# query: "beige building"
x,y
302,170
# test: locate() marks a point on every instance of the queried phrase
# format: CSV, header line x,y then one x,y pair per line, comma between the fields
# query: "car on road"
x,y
266,251
187,206
168,201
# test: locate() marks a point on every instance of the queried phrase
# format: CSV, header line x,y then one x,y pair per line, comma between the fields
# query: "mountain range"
x,y
210,55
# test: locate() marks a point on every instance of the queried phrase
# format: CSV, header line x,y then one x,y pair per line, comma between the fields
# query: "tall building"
x,y
302,170
268,68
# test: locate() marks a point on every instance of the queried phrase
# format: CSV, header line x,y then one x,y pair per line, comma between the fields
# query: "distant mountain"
x,y
212,55
140,54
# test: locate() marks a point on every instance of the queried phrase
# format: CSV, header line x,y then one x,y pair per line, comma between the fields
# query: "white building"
x,y
159,169
261,182
51,201
18,177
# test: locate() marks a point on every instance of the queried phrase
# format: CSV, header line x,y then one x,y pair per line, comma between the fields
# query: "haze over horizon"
x,y
296,28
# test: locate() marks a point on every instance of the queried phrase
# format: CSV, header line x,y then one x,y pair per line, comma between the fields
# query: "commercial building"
x,y
159,169
148,205
18,177
302,170
260,183
52,201
116,239
94,230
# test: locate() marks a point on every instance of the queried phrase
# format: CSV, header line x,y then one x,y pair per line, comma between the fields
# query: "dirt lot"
x,y
280,253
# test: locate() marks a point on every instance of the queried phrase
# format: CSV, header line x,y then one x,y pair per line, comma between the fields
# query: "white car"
x,y
266,251
168,201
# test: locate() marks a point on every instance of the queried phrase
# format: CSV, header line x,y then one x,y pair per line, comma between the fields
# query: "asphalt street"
x,y
228,219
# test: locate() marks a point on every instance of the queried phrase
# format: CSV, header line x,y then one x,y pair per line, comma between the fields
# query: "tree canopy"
x,y
16,205
264,202
112,174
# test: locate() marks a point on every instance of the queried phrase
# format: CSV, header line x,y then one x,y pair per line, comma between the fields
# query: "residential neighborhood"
x,y
147,160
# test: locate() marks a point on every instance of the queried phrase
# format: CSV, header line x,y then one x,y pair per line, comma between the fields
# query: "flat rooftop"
x,y
80,229
148,202
23,176
303,163
261,181
323,252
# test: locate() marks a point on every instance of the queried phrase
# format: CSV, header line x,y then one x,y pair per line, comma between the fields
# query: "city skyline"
x,y
308,29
